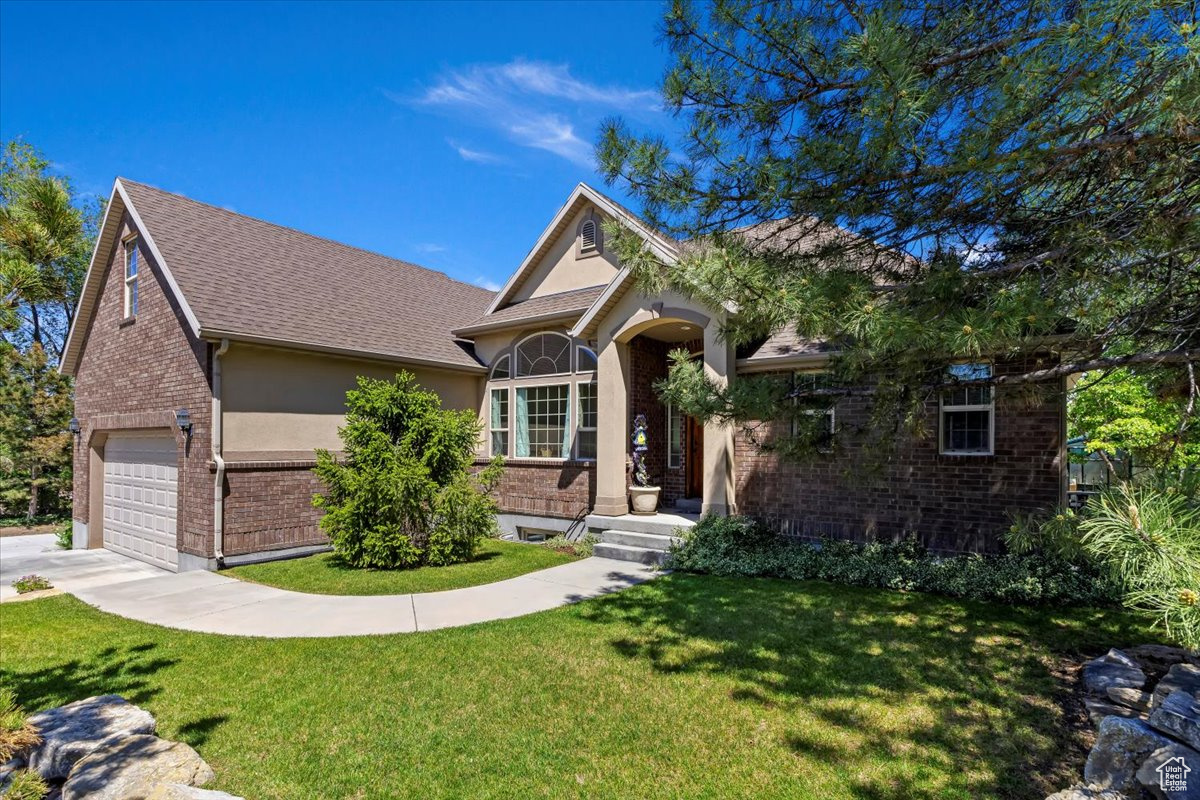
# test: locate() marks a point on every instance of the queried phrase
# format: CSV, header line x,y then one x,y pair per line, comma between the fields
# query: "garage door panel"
x,y
140,479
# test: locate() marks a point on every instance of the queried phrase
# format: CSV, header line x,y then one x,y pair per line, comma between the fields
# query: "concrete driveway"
x,y
69,570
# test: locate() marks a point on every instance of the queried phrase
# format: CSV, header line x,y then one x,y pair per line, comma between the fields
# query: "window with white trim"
x,y
674,437
499,421
968,413
543,421
822,412
131,273
500,368
585,359
585,442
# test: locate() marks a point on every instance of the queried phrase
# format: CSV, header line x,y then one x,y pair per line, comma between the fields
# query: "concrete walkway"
x,y
213,603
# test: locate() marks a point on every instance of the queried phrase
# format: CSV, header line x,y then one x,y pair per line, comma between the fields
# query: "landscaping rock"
x,y
133,767
1098,709
1130,698
1082,791
179,791
1181,678
73,731
1122,745
1161,658
1179,716
1101,674
1150,776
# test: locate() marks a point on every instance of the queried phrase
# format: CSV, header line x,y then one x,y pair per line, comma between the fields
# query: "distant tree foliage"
x,y
1140,413
947,181
47,233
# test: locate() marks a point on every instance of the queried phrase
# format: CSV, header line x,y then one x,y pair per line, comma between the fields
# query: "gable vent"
x,y
587,236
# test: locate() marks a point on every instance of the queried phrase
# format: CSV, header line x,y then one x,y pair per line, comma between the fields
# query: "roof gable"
x,y
242,278
562,225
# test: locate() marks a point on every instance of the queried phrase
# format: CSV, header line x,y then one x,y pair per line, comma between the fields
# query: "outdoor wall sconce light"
x,y
73,426
184,420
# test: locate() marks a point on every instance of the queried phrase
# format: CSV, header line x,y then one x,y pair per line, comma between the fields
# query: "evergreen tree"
x,y
35,447
943,180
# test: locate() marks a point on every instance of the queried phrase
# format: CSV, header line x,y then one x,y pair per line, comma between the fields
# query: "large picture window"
x,y
538,407
968,412
543,424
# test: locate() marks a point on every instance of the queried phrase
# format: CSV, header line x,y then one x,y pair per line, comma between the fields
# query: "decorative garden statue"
x,y
643,495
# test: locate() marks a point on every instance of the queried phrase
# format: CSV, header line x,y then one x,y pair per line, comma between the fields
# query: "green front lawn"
x,y
325,574
686,686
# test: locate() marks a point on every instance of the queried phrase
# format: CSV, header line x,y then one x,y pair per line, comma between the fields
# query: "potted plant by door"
x,y
643,497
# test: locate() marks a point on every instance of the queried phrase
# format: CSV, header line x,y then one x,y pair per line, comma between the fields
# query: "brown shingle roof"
x,y
247,277
787,343
550,306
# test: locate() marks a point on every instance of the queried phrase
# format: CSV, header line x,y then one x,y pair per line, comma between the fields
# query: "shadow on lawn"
x,y
936,685
114,670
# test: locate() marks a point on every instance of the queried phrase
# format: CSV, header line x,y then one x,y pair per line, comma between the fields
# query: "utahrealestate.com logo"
x,y
1172,775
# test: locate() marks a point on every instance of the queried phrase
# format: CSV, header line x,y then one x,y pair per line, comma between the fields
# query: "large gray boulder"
x,y
1121,747
179,791
1082,791
1180,678
1179,716
133,767
1113,670
73,731
1130,698
1171,773
1098,709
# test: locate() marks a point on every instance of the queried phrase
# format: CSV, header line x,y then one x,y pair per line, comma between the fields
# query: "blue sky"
x,y
442,133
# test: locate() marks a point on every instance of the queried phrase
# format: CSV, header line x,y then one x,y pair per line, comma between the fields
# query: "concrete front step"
x,y
663,524
624,552
646,541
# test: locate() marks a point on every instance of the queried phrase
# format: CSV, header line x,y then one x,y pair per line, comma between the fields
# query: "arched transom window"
x,y
544,354
542,399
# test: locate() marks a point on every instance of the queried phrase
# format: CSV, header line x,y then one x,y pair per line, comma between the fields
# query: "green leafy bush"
x,y
403,495
65,537
583,547
742,546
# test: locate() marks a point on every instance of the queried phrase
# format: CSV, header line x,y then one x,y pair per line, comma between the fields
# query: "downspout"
x,y
219,482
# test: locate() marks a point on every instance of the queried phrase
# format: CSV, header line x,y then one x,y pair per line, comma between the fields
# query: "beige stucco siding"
x,y
561,269
280,400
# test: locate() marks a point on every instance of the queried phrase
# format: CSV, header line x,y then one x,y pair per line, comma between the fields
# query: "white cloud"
x,y
431,247
533,104
486,283
477,156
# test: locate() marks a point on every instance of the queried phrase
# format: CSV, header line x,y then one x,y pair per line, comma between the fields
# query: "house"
x,y
212,353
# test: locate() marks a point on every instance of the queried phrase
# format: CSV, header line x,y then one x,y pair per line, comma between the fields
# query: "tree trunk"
x,y
34,472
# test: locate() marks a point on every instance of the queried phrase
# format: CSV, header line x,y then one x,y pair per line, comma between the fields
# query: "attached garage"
x,y
140,497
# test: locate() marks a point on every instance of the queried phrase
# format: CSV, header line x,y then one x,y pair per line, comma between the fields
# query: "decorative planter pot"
x,y
644,499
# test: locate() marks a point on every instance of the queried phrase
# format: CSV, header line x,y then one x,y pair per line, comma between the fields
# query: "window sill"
x,y
125,323
515,461
967,453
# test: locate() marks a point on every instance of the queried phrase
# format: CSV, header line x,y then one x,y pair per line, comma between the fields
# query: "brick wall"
x,y
952,503
268,506
547,489
134,375
648,364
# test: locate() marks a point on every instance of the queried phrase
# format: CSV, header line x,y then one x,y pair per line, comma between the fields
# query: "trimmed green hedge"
x,y
742,546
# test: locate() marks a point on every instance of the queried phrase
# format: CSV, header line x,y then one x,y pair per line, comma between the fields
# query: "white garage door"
x,y
140,477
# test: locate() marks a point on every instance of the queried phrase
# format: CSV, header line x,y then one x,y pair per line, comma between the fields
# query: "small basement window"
x,y
131,272
968,422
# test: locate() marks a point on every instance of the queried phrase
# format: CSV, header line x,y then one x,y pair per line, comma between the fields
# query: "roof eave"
x,y
213,334
521,322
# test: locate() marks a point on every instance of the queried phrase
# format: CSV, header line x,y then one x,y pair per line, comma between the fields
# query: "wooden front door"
x,y
693,455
